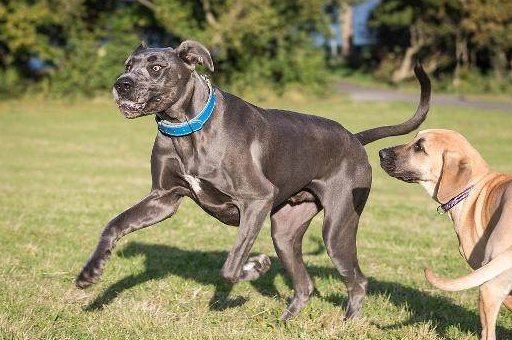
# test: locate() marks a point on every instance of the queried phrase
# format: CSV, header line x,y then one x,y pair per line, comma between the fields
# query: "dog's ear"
x,y
141,47
455,175
192,53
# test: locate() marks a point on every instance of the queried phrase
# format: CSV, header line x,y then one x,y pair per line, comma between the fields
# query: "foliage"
x,y
450,36
78,46
82,44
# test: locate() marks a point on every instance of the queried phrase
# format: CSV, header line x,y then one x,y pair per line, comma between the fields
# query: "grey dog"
x,y
245,163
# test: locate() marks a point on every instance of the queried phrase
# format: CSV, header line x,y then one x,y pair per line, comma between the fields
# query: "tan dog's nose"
x,y
384,153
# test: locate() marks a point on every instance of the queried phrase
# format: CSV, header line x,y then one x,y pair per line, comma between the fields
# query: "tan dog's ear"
x,y
455,176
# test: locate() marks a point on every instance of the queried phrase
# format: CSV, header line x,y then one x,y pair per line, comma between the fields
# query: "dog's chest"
x,y
194,183
212,200
201,175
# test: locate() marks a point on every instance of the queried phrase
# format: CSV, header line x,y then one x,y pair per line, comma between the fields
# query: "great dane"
x,y
239,163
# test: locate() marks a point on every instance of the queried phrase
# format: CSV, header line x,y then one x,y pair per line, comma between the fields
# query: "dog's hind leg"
x,y
342,210
492,294
289,223
155,207
508,302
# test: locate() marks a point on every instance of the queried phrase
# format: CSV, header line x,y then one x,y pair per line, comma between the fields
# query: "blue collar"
x,y
191,126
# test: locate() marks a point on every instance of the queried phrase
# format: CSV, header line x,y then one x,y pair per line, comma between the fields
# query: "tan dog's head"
x,y
442,161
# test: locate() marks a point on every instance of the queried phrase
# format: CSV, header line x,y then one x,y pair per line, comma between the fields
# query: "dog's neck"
x,y
455,212
430,187
191,102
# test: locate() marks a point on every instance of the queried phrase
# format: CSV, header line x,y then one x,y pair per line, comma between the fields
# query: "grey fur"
x,y
247,162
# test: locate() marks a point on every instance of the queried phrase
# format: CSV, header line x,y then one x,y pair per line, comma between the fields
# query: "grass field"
x,y
66,169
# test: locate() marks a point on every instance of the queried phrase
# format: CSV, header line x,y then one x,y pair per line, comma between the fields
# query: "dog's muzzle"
x,y
388,161
124,93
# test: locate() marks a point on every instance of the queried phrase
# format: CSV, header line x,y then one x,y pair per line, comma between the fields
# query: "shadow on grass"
x,y
204,267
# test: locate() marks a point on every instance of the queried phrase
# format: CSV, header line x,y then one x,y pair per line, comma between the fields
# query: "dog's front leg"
x,y
238,266
155,207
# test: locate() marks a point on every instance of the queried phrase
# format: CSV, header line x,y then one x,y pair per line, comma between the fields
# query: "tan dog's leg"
x,y
508,302
492,295
481,310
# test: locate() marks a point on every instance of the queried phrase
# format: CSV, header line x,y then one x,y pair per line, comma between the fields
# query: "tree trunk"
x,y
499,63
333,43
510,67
346,29
461,57
406,66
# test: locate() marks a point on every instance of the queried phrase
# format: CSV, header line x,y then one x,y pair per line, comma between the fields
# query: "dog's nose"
x,y
124,85
383,153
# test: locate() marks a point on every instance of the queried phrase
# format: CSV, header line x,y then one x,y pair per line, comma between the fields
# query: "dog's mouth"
x,y
403,175
131,106
131,109
406,176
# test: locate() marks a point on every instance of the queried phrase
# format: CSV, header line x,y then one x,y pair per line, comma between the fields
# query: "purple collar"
x,y
444,208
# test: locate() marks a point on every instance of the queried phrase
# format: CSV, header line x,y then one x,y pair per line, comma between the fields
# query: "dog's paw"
x,y
255,267
299,300
293,308
87,277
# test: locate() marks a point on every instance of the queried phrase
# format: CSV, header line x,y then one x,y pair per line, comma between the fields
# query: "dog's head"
x,y
442,161
155,78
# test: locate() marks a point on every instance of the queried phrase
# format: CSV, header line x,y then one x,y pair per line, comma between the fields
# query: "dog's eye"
x,y
156,68
128,67
418,147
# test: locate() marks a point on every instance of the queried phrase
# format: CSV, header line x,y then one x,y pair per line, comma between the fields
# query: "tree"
x,y
265,39
347,32
450,36
489,23
415,29
82,43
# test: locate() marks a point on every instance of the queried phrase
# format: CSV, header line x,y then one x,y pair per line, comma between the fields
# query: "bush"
x,y
83,44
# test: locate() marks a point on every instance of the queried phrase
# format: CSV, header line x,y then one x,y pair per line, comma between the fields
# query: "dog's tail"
x,y
371,135
495,267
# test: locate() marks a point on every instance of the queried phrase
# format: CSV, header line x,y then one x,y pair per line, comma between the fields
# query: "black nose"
x,y
384,153
124,85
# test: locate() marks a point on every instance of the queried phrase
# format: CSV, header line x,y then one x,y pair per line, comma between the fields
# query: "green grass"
x,y
66,169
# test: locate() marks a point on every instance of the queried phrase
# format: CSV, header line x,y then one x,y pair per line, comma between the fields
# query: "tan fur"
x,y
483,221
